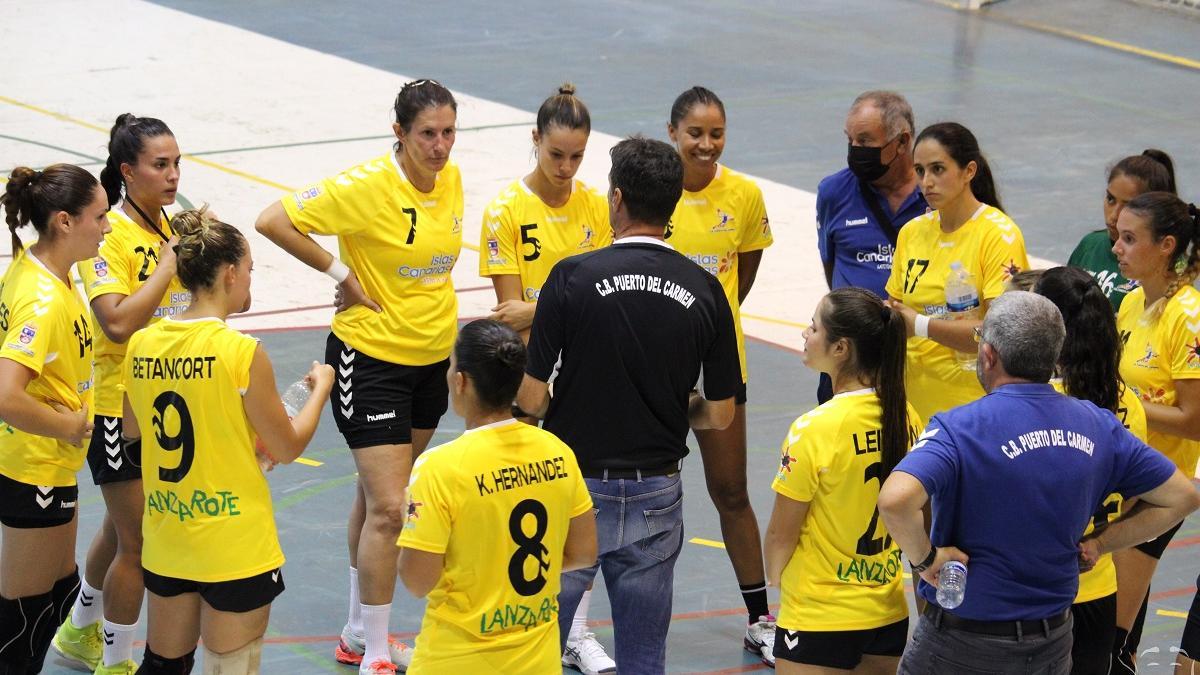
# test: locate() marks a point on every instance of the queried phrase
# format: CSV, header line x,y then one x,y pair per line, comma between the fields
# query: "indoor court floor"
x,y
266,97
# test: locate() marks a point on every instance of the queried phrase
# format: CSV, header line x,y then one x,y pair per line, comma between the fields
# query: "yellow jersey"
x,y
1101,580
128,256
402,244
497,502
712,226
45,327
208,514
845,573
991,248
1157,352
522,235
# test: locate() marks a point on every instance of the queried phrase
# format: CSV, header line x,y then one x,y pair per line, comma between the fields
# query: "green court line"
x,y
352,139
307,493
52,147
308,653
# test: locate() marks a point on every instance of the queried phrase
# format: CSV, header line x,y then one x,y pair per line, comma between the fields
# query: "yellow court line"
x,y
768,319
707,542
1082,37
308,462
51,113
1171,613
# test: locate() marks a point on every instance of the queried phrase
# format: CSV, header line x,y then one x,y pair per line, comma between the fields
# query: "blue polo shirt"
x,y
1014,478
849,235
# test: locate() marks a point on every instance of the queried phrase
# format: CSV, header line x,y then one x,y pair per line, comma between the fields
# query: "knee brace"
x,y
153,664
22,621
244,661
62,597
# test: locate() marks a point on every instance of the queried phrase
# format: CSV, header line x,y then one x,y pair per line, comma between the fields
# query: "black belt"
x,y
616,474
1013,629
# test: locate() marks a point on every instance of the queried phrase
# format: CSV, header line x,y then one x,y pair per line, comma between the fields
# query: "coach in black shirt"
x,y
634,325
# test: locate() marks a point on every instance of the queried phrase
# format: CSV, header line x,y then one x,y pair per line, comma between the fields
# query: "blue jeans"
x,y
639,525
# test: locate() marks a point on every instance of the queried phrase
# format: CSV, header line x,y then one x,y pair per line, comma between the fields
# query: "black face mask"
x,y
866,163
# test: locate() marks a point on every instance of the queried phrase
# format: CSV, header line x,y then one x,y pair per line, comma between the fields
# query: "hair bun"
x,y
511,353
566,89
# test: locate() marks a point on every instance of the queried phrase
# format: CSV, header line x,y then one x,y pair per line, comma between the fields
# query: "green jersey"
x,y
1094,255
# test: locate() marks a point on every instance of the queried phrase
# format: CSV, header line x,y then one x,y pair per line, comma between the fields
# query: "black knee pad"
x,y
63,598
153,664
22,621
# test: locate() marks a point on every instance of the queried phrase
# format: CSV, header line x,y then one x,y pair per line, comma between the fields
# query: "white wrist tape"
x,y
338,271
921,326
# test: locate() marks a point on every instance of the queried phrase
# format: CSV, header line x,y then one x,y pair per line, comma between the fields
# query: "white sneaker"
x,y
587,655
760,639
351,647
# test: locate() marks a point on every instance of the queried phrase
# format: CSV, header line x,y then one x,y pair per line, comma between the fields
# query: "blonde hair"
x,y
205,244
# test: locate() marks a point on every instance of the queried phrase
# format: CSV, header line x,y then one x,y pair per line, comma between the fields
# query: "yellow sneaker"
x,y
126,667
80,646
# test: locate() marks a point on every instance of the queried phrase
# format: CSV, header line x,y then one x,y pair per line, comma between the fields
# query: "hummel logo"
x,y
348,412
275,576
111,423
345,371
108,638
348,357
43,498
85,599
790,639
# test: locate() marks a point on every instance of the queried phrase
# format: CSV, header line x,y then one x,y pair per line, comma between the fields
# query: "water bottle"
x,y
294,397
962,302
952,584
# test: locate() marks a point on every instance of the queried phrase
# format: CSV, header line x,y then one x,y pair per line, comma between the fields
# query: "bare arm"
x,y
1181,419
902,500
30,415
420,571
748,263
122,315
282,438
274,224
706,414
783,534
534,396
579,551
958,335
1155,512
511,307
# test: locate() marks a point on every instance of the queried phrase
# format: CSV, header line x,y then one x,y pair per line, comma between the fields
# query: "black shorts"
x,y
1158,545
840,648
238,595
1190,644
28,506
1094,631
380,403
740,397
110,458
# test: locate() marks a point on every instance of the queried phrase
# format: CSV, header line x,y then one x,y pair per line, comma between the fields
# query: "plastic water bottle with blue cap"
x,y
952,584
962,303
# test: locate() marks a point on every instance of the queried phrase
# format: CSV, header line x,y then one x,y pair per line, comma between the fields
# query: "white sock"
x,y
118,642
579,623
355,620
89,605
375,624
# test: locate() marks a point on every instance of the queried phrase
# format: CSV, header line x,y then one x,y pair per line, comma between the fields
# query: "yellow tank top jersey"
x,y
1157,352
712,226
989,246
208,514
45,327
497,502
128,256
402,244
1101,580
524,236
846,572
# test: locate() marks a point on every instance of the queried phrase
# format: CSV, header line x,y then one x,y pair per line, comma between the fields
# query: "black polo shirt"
x,y
633,324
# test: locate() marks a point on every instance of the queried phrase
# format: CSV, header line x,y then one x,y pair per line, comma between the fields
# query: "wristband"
x,y
917,568
337,270
921,326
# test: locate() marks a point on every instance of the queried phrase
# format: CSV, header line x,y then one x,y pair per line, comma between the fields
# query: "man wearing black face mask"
x,y
861,208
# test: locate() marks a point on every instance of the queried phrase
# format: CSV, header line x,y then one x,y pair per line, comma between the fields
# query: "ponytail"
x,y
880,342
963,148
31,197
1089,361
125,142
